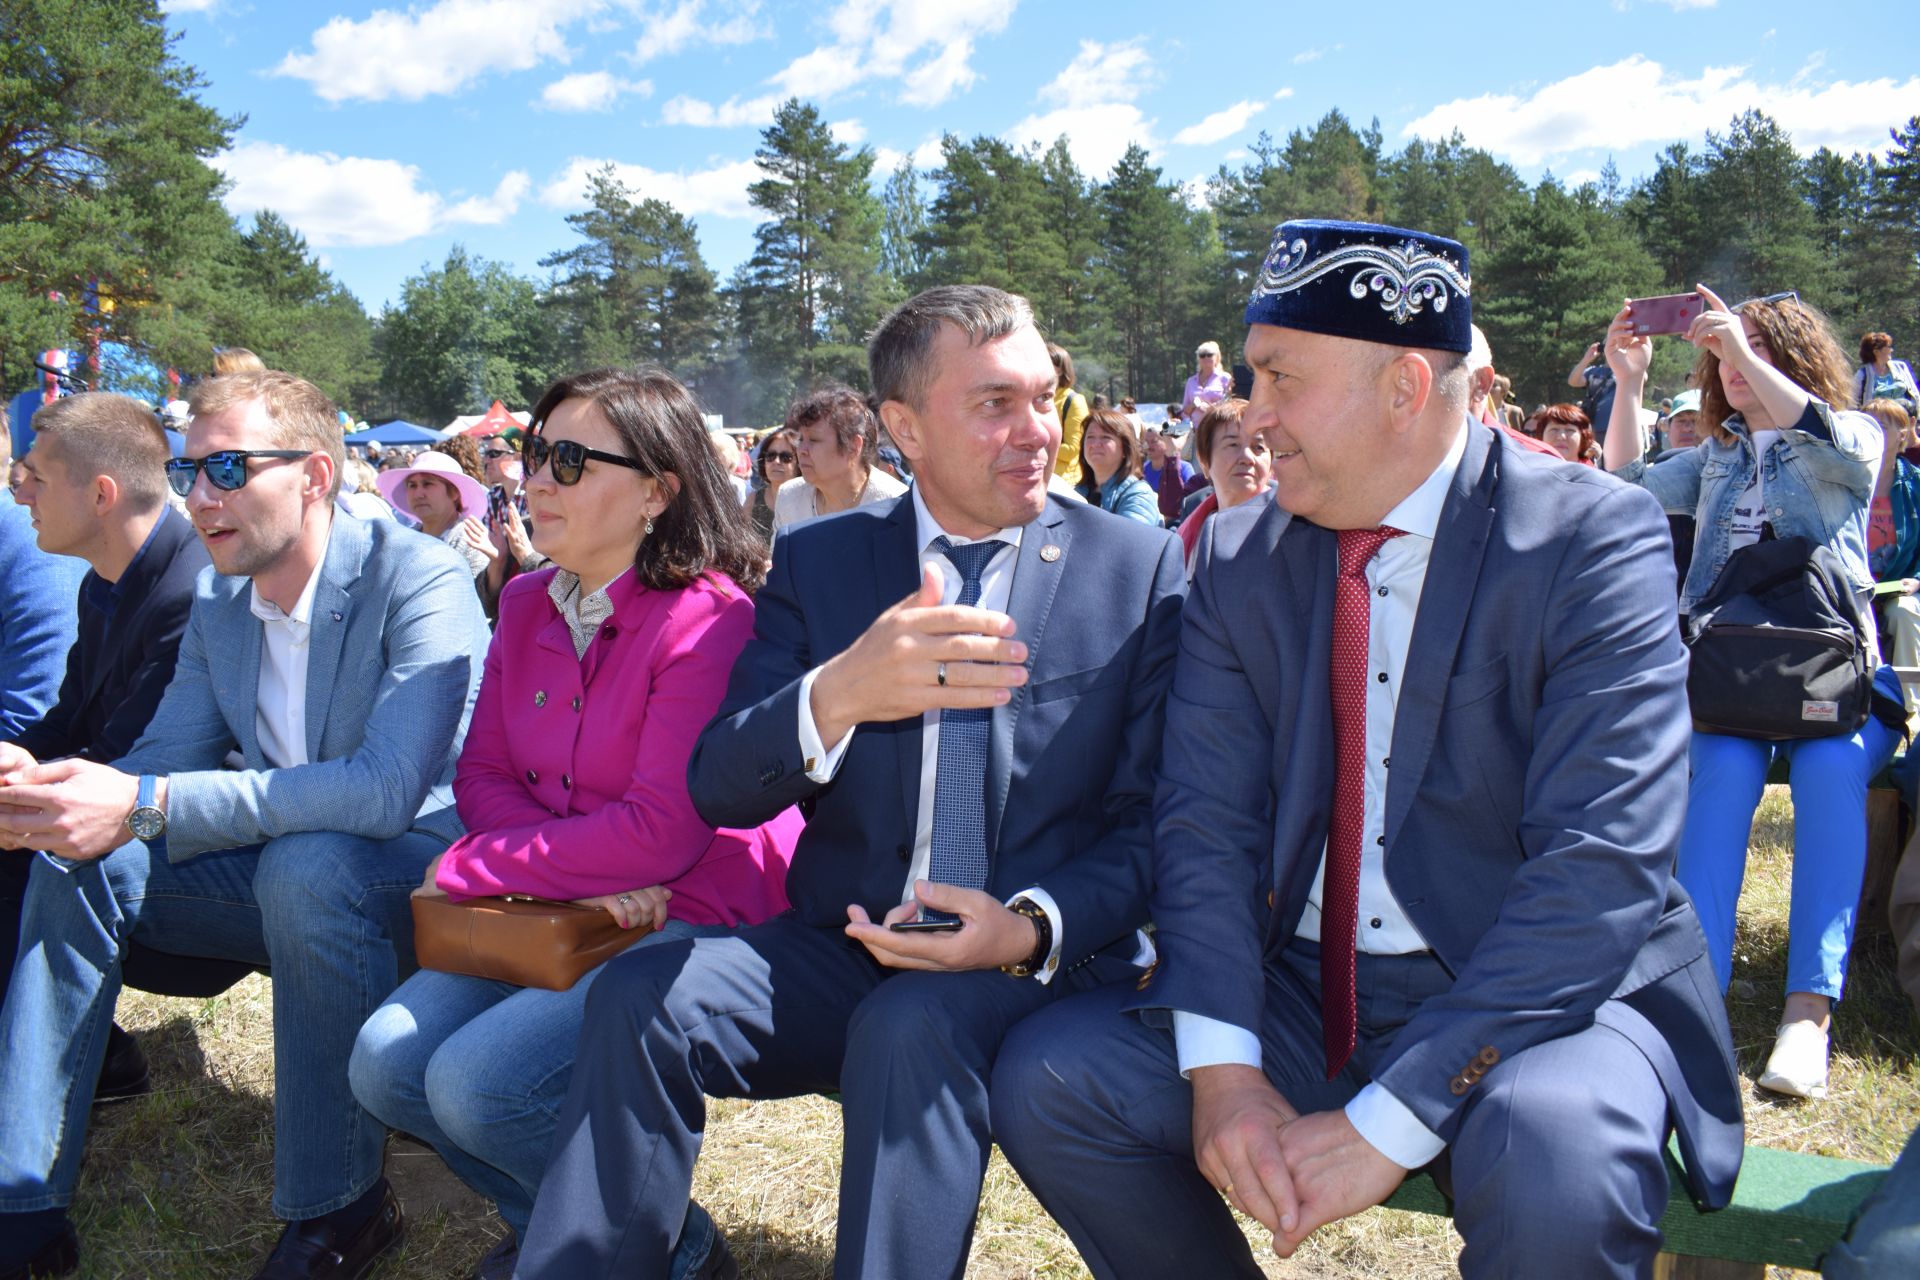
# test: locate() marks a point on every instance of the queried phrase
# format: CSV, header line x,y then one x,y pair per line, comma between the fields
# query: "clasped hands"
x,y
74,808
635,909
1289,1172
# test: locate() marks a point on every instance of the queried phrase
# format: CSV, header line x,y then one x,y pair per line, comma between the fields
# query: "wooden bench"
x,y
1788,1209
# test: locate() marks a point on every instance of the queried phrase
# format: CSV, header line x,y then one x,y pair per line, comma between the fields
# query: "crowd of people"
x,y
1012,769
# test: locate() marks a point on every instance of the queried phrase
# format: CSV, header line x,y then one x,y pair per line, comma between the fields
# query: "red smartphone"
x,y
1670,313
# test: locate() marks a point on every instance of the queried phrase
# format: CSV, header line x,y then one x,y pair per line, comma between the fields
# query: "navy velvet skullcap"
x,y
1368,282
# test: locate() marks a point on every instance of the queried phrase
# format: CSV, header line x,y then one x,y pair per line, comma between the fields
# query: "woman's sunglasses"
x,y
226,470
779,455
569,459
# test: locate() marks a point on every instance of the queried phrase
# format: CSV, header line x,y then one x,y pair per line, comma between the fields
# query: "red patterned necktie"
x,y
1340,895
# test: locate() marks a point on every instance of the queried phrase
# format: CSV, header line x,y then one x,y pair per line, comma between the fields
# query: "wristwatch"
x,y
1043,938
147,821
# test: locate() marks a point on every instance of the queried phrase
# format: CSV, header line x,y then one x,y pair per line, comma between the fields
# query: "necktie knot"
x,y
1358,546
971,559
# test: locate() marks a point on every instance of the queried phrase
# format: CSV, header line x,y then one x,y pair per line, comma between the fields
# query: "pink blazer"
x,y
573,779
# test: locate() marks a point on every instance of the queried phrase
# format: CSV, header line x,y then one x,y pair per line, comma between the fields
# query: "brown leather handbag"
x,y
530,942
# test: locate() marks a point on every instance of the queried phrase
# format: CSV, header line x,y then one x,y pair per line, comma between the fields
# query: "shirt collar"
x,y
1419,512
929,529
584,616
302,615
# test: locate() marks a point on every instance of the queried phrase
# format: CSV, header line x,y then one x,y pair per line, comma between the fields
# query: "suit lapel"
x,y
896,572
1036,578
1453,571
331,619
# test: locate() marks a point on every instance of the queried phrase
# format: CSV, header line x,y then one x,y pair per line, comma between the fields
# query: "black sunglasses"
x,y
569,459
779,455
226,470
496,453
1789,296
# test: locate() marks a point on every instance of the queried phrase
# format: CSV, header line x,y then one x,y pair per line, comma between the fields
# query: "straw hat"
x,y
473,494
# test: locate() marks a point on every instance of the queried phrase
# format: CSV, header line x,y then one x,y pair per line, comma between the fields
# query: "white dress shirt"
x,y
996,589
1395,577
280,717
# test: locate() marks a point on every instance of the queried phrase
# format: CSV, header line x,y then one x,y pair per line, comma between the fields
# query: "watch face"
x,y
147,822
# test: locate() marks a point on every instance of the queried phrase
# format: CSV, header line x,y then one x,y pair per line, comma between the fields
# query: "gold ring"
x,y
1227,1190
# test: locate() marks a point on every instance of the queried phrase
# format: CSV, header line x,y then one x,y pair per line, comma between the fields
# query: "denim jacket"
x,y
1819,478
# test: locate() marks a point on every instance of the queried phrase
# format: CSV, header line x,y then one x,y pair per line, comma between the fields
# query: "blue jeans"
x,y
1829,778
327,912
478,1070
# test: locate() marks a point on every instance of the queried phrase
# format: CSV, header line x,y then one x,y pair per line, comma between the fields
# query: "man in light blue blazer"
x,y
289,793
1414,838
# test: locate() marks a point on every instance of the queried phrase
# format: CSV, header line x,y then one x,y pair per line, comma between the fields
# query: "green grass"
x,y
177,1186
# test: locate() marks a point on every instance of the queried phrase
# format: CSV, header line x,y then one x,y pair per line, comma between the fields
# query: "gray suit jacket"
x,y
397,645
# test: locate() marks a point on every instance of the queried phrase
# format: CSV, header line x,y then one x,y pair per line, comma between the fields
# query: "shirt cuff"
x,y
1042,899
821,763
1208,1042
1391,1129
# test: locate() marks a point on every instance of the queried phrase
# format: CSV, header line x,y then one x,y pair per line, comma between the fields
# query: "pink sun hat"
x,y
473,494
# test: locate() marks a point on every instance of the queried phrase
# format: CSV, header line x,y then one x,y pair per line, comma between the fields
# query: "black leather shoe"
x,y
317,1250
59,1256
123,1072
499,1262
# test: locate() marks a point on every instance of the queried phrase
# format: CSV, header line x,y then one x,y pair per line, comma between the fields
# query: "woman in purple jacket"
x,y
572,782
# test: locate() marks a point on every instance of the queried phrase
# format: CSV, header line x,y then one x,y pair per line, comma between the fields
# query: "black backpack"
x,y
1779,646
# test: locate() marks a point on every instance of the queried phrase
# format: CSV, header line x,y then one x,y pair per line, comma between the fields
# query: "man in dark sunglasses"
x,y
287,796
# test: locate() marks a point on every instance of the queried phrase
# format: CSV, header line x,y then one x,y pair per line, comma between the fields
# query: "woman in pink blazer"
x,y
572,783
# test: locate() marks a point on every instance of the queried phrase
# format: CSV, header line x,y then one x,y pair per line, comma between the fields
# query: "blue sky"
x,y
388,133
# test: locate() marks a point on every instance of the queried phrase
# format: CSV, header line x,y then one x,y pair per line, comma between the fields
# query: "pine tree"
x,y
465,334
902,254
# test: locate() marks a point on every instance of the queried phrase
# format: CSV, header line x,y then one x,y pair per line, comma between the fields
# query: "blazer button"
x,y
540,698
1487,1057
905,852
1269,899
576,703
566,782
532,777
1459,1086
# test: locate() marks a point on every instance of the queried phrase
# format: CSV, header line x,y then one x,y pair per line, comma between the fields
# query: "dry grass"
x,y
177,1186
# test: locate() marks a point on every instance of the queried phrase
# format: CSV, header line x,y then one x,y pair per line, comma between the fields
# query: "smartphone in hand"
x,y
1669,313
497,505
926,926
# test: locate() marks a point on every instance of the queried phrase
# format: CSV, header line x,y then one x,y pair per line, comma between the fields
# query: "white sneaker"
x,y
1798,1064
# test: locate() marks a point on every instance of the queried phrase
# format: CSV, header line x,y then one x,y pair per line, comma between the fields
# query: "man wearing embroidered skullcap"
x,y
1414,831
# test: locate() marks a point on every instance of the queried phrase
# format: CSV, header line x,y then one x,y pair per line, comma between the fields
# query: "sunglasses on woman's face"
x,y
569,459
779,455
226,470
496,454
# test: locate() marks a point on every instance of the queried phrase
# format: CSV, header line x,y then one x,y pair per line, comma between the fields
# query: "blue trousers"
x,y
1557,1168
329,914
1884,1240
1829,778
775,1010
478,1070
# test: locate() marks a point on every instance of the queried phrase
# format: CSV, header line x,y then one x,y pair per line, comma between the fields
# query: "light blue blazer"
x,y
397,644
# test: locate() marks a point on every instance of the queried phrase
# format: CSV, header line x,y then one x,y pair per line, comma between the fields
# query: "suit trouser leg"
x,y
762,1013
914,1088
1885,1238
1558,1168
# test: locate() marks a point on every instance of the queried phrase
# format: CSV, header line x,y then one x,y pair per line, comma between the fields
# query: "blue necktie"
x,y
957,854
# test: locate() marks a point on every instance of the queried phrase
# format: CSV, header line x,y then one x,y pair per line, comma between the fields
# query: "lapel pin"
x,y
335,613
1049,553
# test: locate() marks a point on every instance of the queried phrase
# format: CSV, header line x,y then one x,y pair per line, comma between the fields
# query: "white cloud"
x,y
1284,94
671,28
849,132
590,91
354,201
1679,6
1314,55
1097,135
439,49
1637,101
732,113
1102,73
188,6
885,40
1219,126
1580,178
720,191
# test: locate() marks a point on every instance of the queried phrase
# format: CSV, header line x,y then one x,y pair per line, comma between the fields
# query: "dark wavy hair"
x,y
1802,346
703,529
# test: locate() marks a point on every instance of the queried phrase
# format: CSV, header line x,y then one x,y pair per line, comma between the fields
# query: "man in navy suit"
x,y
977,754
95,483
1414,837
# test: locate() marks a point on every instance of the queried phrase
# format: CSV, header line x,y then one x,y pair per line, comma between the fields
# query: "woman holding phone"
x,y
572,784
1781,456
